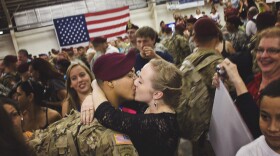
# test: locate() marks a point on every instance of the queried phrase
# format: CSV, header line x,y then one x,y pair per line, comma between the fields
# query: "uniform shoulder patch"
x,y
122,139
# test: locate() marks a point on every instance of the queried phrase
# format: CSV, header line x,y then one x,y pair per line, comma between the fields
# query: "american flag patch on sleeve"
x,y
122,139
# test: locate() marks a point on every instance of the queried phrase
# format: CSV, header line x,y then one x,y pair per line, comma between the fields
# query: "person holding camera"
x,y
244,101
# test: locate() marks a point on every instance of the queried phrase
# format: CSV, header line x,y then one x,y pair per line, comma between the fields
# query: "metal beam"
x,y
6,11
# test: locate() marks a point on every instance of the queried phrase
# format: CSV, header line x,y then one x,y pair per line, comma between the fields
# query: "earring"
x,y
155,104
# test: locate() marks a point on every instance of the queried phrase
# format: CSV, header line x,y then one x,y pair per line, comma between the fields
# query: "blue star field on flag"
x,y
71,30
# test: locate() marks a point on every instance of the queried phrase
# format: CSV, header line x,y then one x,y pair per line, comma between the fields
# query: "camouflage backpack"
x,y
68,137
195,108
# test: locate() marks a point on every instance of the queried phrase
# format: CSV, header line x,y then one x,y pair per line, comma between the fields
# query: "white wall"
x,y
142,17
37,41
42,40
6,46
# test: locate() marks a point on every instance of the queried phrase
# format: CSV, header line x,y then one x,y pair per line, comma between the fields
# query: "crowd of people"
x,y
141,86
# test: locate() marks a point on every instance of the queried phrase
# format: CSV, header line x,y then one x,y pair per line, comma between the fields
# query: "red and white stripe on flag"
x,y
108,23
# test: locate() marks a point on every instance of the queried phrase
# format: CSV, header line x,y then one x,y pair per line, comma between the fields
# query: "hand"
x,y
87,110
233,76
216,81
149,53
231,70
231,73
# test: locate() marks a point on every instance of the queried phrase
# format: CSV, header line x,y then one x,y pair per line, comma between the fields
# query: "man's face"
x,y
22,58
81,51
131,35
75,50
270,121
189,26
269,61
124,87
144,42
162,25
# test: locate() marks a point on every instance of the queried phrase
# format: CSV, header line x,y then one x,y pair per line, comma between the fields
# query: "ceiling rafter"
x,y
22,5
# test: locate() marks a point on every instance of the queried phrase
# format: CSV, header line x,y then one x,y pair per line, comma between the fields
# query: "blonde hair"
x,y
168,79
72,95
273,32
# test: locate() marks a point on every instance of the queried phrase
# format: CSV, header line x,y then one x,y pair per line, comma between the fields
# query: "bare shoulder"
x,y
53,116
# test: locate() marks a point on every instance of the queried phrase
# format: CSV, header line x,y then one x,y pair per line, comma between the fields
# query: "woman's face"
x,y
144,89
269,62
33,74
14,115
80,80
22,99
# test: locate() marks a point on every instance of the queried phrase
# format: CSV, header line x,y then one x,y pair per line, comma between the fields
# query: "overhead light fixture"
x,y
1,32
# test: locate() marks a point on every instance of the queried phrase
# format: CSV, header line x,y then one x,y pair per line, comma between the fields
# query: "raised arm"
x,y
244,101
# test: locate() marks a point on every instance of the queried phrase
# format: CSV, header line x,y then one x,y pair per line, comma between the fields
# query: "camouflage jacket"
x,y
9,79
238,39
178,47
69,138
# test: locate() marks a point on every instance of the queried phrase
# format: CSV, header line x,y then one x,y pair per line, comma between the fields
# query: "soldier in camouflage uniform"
x,y
69,137
198,92
92,139
178,45
131,33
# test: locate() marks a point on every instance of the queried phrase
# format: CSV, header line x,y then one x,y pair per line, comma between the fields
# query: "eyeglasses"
x,y
270,51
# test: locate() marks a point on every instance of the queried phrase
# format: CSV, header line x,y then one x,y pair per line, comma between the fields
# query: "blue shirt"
x,y
140,62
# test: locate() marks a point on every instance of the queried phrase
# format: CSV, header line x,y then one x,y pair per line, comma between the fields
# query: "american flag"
x,y
83,28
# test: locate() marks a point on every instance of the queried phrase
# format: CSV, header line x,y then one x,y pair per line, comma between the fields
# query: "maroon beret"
x,y
234,20
114,65
205,27
231,12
